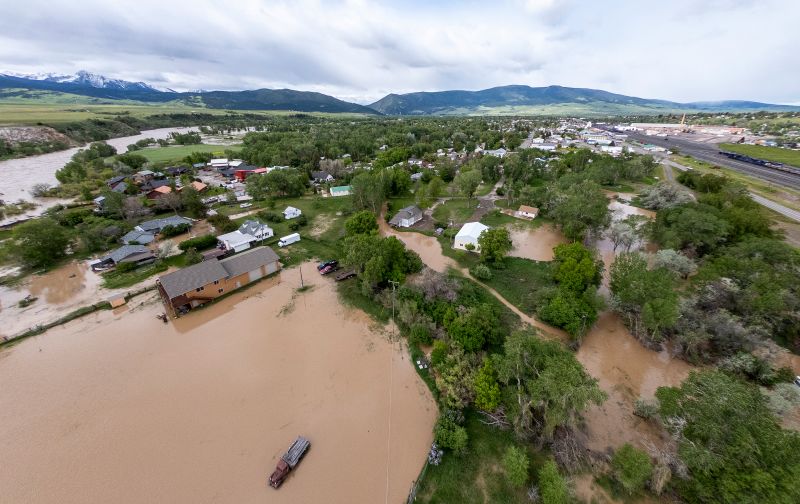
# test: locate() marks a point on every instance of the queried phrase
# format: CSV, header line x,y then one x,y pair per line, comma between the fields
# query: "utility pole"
x,y
300,267
394,285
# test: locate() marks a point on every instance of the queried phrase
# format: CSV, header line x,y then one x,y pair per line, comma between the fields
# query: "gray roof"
x,y
251,227
248,261
121,187
320,175
124,251
192,277
156,225
408,212
200,274
140,237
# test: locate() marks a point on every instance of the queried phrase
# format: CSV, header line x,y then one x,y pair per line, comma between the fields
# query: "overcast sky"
x,y
682,50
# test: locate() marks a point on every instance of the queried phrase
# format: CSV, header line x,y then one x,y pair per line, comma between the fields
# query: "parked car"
x,y
330,268
325,264
797,380
245,205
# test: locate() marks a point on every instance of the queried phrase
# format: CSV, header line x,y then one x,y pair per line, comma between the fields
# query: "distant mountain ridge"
x,y
518,97
503,100
97,86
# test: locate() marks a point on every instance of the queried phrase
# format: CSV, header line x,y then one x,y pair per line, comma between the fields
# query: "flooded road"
x,y
19,175
122,408
537,243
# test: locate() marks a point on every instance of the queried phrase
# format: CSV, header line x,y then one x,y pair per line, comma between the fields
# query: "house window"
x,y
199,289
216,282
220,291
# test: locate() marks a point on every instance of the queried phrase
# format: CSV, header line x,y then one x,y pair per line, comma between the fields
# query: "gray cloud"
x,y
359,50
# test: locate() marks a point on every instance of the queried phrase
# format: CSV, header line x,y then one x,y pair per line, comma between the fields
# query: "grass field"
x,y
776,154
457,210
178,152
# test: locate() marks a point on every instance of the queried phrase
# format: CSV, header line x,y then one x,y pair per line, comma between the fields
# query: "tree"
x,y
368,192
362,222
435,187
665,195
646,297
732,445
575,312
515,463
553,487
576,267
113,203
448,434
170,201
192,202
632,468
455,377
548,386
193,256
674,261
133,161
579,208
468,182
495,243
133,208
40,242
486,388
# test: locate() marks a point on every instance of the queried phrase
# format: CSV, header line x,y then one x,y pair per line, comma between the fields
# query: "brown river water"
x,y
119,407
19,175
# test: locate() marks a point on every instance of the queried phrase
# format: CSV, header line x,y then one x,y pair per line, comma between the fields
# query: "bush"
x,y
125,267
193,257
515,462
632,468
302,220
199,243
223,223
481,272
552,486
273,217
439,352
645,409
294,226
169,231
420,335
448,434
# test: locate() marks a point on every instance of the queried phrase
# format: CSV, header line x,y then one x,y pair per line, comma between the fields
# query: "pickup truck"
x,y
289,461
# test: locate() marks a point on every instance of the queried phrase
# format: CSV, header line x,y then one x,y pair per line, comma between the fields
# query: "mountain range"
x,y
504,100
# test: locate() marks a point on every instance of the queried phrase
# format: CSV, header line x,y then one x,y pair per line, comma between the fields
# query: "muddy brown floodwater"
x,y
119,407
536,244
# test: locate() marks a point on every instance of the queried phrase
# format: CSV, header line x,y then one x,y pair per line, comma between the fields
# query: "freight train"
x,y
761,162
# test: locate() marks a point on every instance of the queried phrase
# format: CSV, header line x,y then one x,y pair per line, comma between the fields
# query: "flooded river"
x,y
19,175
122,408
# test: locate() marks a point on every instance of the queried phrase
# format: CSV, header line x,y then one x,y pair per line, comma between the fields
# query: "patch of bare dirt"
x,y
33,134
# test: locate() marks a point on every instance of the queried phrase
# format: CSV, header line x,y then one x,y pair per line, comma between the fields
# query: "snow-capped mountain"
x,y
85,78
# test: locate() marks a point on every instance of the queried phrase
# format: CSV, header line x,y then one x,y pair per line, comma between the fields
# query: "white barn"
x,y
469,234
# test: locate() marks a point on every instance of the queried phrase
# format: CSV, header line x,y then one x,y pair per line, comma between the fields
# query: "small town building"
x,y
321,177
136,237
201,283
258,229
136,254
406,217
158,192
155,226
292,213
99,203
500,153
197,186
219,163
143,176
340,191
527,212
469,234
236,241
241,174
416,176
117,300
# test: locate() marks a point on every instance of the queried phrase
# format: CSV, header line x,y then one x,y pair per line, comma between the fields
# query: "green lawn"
x,y
457,210
776,154
519,280
478,476
178,152
116,280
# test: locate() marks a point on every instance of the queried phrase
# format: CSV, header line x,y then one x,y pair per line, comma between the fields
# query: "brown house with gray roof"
x,y
201,283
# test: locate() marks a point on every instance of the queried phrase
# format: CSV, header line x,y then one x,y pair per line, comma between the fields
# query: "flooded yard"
x,y
535,243
119,407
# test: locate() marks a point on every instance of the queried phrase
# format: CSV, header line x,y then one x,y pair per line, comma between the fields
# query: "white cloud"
x,y
360,50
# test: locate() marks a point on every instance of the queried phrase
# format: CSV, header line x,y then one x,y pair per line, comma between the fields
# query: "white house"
x,y
291,213
501,152
236,241
469,234
257,229
527,212
407,217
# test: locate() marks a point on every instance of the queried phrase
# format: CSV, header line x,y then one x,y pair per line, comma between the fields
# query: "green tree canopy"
x,y
553,488
40,242
362,222
495,244
515,463
632,468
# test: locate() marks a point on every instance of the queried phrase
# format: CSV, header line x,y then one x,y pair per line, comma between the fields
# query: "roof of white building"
x,y
471,230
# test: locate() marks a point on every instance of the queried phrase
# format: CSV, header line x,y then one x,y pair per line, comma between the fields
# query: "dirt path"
x,y
119,407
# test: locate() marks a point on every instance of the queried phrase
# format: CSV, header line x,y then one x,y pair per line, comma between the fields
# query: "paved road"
x,y
710,154
768,203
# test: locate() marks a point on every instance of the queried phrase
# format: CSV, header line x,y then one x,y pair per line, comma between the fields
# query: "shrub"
x,y
198,243
223,223
420,335
448,434
632,468
125,267
552,486
302,220
294,225
193,256
439,352
273,217
481,272
515,462
645,409
169,231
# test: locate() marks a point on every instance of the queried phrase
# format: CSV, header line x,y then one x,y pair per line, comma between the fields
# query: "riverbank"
x,y
200,409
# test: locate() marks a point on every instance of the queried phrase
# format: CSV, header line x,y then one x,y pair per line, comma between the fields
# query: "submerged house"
x,y
203,282
406,217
